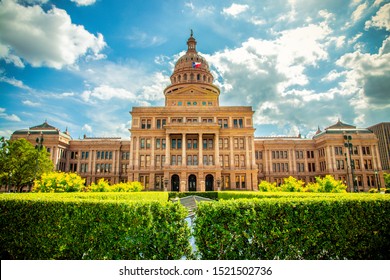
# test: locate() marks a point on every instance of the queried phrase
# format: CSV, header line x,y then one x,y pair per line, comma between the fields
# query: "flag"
x,y
196,64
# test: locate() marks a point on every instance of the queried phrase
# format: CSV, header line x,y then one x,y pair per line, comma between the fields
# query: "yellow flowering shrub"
x,y
59,182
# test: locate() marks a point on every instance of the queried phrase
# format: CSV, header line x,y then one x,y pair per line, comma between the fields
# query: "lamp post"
x,y
219,184
377,181
348,145
38,147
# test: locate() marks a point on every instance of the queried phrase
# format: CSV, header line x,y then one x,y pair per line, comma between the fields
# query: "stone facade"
x,y
194,144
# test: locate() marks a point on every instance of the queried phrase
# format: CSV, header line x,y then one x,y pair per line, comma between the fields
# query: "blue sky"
x,y
83,64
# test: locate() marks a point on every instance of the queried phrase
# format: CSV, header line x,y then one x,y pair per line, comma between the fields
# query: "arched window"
x,y
185,77
192,77
204,78
198,77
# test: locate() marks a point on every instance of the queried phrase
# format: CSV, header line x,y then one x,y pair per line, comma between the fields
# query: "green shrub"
x,y
60,227
329,227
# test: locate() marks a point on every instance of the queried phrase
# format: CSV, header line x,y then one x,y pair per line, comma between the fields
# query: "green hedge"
x,y
343,227
238,195
51,227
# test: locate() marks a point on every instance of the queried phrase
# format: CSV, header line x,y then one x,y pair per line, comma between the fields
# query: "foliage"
x,y
47,226
386,176
327,184
265,186
291,184
21,163
334,226
103,186
59,182
126,187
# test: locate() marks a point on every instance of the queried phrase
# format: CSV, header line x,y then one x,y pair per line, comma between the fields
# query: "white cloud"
x,y
84,2
235,9
105,92
139,38
31,103
14,82
28,33
87,128
370,73
359,12
12,117
381,19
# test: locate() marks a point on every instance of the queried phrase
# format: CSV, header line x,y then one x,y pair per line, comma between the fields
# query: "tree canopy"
x,y
21,163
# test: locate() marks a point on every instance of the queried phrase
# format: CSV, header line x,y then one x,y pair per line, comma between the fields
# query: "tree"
x,y
59,182
386,176
21,163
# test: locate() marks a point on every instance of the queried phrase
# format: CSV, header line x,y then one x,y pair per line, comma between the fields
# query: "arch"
x,y
175,183
192,183
198,77
209,183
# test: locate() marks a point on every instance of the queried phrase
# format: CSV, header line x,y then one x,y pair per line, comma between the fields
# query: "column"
x,y
266,167
167,150
329,160
200,159
294,162
231,146
78,161
184,150
253,153
216,149
136,155
374,157
247,157
152,155
131,161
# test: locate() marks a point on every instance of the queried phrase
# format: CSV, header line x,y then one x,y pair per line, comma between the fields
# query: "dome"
x,y
191,67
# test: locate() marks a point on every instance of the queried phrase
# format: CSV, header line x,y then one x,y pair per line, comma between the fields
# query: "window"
x,y
223,123
160,123
366,150
158,143
339,164
142,143
300,167
338,151
240,181
237,123
146,123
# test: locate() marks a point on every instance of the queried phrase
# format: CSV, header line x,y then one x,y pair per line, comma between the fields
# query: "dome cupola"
x,y
191,67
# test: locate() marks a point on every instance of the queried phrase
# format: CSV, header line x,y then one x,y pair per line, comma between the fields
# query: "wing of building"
x,y
192,143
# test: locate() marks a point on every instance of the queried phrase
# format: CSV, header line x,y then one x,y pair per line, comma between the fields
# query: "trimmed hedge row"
x,y
226,195
293,228
127,196
51,227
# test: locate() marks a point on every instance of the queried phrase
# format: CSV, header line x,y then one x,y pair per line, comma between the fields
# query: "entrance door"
x,y
209,183
192,183
175,181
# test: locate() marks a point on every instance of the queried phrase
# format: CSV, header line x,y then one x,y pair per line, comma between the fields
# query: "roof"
x,y
340,125
340,128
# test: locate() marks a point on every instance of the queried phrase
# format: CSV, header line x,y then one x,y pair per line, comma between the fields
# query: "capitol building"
x,y
193,143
